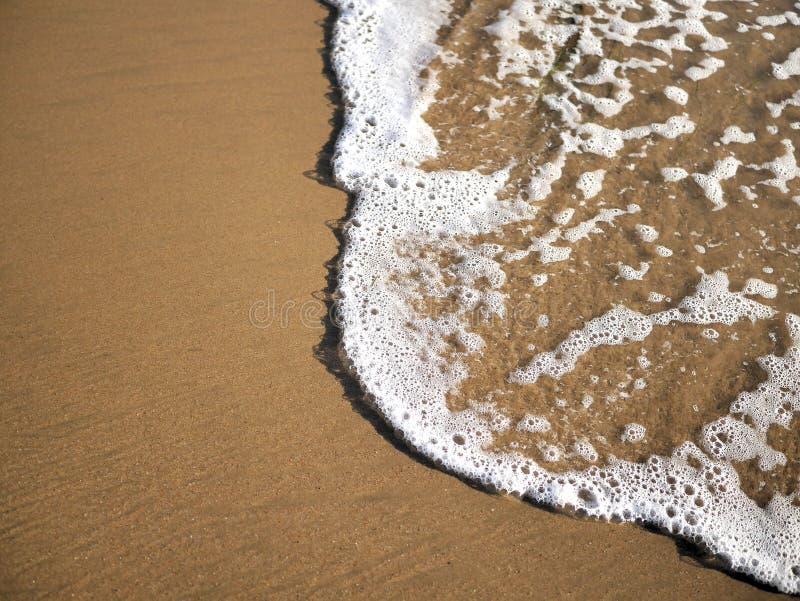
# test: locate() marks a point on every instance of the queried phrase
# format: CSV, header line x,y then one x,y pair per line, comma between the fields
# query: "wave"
x,y
570,270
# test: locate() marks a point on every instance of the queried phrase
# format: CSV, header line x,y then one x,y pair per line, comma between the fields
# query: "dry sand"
x,y
157,179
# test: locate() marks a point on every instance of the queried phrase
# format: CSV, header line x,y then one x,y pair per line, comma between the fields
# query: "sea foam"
x,y
411,362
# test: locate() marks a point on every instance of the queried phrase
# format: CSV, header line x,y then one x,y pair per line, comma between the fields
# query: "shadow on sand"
x,y
328,351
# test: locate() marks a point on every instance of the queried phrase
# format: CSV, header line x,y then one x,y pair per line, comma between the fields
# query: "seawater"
x,y
571,269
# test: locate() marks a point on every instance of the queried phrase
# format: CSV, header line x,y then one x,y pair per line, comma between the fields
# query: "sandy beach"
x,y
174,423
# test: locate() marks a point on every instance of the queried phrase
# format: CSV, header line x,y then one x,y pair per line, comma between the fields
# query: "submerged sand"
x,y
158,180
692,373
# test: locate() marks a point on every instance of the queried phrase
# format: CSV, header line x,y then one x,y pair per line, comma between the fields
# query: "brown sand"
x,y
155,443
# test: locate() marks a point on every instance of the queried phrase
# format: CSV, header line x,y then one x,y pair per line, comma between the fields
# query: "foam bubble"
x,y
533,423
646,232
789,67
673,174
539,279
629,273
707,67
734,134
584,449
676,94
591,182
711,182
633,433
784,168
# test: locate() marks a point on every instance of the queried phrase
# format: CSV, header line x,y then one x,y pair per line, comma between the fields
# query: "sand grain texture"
x,y
155,443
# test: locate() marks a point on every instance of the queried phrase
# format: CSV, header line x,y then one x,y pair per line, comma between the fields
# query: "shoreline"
x,y
157,172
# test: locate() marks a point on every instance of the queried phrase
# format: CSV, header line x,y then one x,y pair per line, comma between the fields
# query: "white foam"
x,y
713,302
603,141
676,94
710,182
591,226
494,104
755,286
591,182
585,450
734,133
533,423
618,326
771,20
633,433
784,168
646,232
551,453
732,439
707,68
673,174
789,67
400,357
542,179
540,279
564,217
548,253
776,109
629,273
774,400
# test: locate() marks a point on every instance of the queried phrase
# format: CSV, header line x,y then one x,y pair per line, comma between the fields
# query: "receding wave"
x,y
571,269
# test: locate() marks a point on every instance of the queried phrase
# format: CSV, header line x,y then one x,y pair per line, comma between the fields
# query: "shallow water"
x,y
571,269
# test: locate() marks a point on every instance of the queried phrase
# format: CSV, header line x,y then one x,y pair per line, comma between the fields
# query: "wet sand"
x,y
158,180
